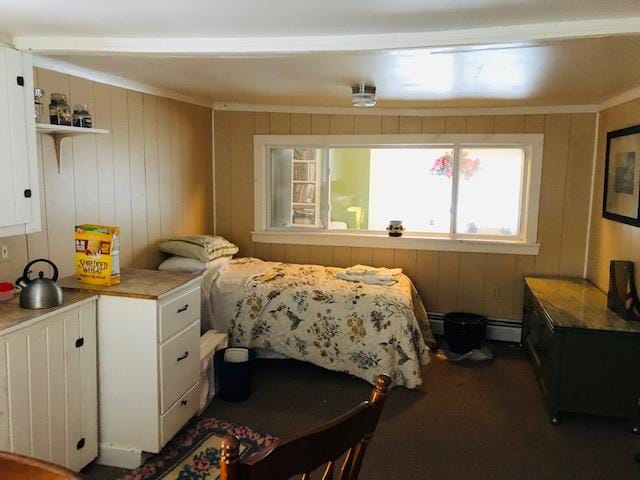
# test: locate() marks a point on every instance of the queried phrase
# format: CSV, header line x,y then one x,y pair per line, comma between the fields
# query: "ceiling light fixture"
x,y
363,95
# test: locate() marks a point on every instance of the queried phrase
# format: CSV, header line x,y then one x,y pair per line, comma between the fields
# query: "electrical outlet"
x,y
496,293
4,253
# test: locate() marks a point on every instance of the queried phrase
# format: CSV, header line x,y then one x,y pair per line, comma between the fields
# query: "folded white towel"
x,y
373,271
371,278
375,280
348,277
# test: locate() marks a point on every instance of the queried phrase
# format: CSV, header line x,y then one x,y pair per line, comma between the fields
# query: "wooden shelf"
x,y
58,132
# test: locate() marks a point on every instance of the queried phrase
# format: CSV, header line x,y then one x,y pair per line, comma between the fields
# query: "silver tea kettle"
x,y
40,292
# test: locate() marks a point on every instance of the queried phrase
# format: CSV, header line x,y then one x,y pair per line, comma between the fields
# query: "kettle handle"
x,y
25,273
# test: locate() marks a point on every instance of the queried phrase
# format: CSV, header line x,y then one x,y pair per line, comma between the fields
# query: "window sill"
x,y
407,242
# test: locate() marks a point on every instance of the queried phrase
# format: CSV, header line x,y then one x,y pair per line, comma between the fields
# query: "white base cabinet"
x,y
149,357
48,387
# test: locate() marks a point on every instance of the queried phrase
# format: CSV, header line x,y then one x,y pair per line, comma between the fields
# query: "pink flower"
x,y
201,464
443,166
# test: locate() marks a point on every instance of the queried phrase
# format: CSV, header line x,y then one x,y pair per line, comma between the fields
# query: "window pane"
x,y
281,186
412,185
370,187
350,188
296,187
365,188
489,191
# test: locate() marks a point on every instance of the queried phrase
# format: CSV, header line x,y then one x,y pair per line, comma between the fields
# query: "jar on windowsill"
x,y
59,110
395,228
81,117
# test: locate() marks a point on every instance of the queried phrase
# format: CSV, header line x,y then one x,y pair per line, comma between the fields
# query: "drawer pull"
x,y
183,402
182,357
183,309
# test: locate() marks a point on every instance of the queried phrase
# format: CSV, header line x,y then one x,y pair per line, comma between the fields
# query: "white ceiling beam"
x,y
408,112
624,97
322,43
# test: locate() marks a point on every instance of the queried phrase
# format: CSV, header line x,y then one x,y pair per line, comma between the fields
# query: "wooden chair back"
x,y
18,467
348,434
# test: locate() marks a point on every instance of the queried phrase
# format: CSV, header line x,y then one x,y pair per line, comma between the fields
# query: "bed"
x,y
306,313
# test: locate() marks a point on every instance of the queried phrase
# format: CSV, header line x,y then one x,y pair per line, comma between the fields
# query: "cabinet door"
x,y
48,389
82,392
18,159
7,180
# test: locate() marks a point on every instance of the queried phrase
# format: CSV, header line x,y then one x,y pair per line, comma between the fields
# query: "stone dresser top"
x,y
12,317
577,303
134,283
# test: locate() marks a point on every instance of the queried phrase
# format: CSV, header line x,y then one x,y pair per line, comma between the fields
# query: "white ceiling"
x,y
251,18
309,53
582,71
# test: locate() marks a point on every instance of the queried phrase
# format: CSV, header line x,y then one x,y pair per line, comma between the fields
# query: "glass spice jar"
x,y
38,93
81,116
59,110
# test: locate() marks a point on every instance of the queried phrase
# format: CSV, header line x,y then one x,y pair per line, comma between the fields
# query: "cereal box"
x,y
98,254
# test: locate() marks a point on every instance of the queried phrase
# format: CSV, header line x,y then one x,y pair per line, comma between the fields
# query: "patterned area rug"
x,y
194,454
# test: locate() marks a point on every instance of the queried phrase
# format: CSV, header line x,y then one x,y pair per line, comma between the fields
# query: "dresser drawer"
x,y
539,340
179,365
176,314
185,408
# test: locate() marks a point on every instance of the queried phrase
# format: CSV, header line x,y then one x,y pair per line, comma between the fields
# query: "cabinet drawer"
x,y
178,313
185,408
179,365
539,341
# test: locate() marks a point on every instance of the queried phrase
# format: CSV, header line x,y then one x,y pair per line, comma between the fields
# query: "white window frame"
x,y
524,244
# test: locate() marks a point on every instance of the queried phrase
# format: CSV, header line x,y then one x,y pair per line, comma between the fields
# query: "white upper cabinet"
x,y
19,193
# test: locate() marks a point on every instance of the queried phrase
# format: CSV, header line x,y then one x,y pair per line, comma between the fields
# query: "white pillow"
x,y
190,265
183,264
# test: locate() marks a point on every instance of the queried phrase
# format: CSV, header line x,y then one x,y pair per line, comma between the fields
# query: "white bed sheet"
x,y
228,290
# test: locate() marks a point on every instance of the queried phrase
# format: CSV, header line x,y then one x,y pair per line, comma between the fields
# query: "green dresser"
x,y
586,358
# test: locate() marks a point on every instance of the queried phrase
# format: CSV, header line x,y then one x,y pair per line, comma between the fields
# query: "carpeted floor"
x,y
468,421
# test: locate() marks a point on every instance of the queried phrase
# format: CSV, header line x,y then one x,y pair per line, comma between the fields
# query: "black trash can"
x,y
464,331
233,377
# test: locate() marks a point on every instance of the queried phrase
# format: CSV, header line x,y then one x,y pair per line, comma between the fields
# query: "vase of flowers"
x,y
443,166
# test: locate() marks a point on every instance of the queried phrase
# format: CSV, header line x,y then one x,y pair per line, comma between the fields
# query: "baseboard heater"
x,y
500,330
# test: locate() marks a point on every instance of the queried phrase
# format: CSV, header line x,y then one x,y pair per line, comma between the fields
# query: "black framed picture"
x,y
621,200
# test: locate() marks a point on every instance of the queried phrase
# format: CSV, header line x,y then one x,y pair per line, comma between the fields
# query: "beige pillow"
x,y
202,247
191,265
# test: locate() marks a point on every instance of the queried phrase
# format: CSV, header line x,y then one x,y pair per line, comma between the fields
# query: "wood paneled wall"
x,y
485,283
611,240
151,176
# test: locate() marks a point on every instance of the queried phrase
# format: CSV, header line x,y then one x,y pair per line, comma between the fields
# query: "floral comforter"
x,y
306,313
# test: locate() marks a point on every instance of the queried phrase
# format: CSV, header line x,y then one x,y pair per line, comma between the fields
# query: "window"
x,y
455,192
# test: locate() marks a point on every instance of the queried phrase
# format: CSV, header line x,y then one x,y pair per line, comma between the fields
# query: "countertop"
x,y
12,316
134,283
577,303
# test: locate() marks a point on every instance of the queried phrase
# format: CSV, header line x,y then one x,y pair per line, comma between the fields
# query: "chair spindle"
x,y
328,471
346,465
